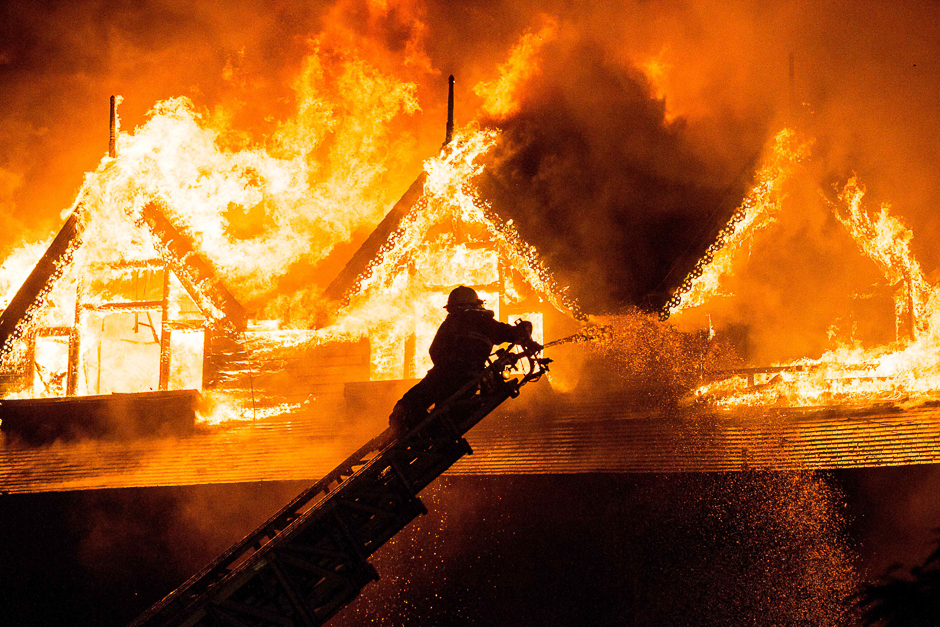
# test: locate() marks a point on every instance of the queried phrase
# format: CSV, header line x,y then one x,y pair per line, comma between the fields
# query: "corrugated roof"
x,y
599,434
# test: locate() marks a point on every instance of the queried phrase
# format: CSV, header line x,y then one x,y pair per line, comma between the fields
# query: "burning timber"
x,y
25,321
149,297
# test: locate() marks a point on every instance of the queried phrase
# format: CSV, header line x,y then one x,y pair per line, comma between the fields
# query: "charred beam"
x,y
450,110
52,331
112,152
197,276
130,264
359,264
129,306
30,296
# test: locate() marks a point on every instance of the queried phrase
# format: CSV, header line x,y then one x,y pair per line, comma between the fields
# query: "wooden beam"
x,y
369,250
128,306
165,333
71,377
31,294
193,272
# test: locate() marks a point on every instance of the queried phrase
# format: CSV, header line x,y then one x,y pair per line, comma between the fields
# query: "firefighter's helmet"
x,y
463,298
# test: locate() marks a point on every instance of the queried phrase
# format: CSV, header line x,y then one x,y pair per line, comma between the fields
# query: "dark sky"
x,y
614,176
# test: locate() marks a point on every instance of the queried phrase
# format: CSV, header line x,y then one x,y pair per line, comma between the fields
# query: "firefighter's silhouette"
x,y
459,351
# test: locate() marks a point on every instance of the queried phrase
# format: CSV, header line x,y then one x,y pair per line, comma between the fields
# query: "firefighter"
x,y
459,351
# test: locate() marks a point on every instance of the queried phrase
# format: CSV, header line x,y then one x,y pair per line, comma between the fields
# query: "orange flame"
x,y
758,211
501,96
906,373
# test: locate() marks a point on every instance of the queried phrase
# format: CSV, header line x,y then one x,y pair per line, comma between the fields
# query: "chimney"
x,y
450,111
111,151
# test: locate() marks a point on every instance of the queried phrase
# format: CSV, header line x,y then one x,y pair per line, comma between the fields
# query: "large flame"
x,y
501,96
252,209
905,372
449,237
758,212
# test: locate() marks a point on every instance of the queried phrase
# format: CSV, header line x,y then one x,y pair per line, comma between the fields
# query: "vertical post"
x,y
912,315
501,272
165,333
111,147
30,367
208,372
450,110
71,377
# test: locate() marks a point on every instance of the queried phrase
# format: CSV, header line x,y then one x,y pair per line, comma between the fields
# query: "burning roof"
x,y
105,262
443,195
440,234
851,368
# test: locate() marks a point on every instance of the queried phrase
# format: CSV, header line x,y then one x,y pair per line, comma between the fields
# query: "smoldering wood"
x,y
41,421
127,307
99,267
52,331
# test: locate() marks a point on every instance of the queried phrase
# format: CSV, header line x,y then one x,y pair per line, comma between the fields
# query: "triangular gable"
x,y
27,300
884,240
197,277
401,234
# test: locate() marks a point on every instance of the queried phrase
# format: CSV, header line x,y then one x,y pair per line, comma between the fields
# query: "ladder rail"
x,y
266,532
309,559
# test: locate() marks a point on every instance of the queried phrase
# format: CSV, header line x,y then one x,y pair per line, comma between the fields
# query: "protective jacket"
x,y
466,338
459,351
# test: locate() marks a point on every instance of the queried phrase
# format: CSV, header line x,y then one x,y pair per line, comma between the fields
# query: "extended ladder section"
x,y
311,558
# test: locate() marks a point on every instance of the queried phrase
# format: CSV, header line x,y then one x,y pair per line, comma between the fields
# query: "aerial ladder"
x,y
310,559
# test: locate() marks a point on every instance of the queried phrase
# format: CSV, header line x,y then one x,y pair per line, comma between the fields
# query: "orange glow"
x,y
449,237
656,70
501,96
755,215
905,372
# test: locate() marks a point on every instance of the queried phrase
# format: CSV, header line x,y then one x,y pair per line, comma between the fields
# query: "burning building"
x,y
195,258
123,301
875,323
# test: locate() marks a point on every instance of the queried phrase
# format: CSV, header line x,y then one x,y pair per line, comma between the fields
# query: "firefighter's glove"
x,y
524,335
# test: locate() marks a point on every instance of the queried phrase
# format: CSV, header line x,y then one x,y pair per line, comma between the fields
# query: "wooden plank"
x,y
131,306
